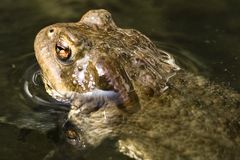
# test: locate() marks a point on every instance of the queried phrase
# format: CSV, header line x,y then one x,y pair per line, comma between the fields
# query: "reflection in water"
x,y
35,91
208,31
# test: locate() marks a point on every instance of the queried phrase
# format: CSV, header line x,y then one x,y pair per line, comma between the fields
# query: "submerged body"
x,y
119,85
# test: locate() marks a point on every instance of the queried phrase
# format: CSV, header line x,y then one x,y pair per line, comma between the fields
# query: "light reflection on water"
x,y
200,42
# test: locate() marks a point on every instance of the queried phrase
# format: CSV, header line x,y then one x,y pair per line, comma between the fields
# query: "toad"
x,y
120,85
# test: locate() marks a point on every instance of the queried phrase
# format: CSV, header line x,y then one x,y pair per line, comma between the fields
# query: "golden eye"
x,y
71,134
63,52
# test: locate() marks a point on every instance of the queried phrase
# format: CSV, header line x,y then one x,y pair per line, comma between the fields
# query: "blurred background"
x,y
204,37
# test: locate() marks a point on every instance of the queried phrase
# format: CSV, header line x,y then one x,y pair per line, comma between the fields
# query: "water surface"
x,y
203,36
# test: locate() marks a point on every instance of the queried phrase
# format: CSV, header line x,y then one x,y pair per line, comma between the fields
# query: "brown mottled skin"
x,y
119,85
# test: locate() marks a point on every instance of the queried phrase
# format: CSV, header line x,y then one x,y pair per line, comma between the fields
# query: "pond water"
x,y
204,37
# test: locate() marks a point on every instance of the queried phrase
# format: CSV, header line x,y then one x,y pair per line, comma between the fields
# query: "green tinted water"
x,y
204,37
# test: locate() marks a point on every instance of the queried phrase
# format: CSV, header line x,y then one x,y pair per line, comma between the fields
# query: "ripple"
x,y
35,91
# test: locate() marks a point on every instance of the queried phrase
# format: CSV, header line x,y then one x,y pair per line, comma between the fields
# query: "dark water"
x,y
204,37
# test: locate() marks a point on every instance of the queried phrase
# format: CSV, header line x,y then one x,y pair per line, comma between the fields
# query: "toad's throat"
x,y
118,96
61,96
105,76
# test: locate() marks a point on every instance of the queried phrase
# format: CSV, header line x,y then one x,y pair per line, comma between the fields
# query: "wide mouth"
x,y
97,95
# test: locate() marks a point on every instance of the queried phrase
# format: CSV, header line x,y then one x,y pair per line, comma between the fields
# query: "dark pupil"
x,y
63,53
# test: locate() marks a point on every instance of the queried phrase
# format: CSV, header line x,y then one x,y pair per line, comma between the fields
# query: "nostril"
x,y
51,30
